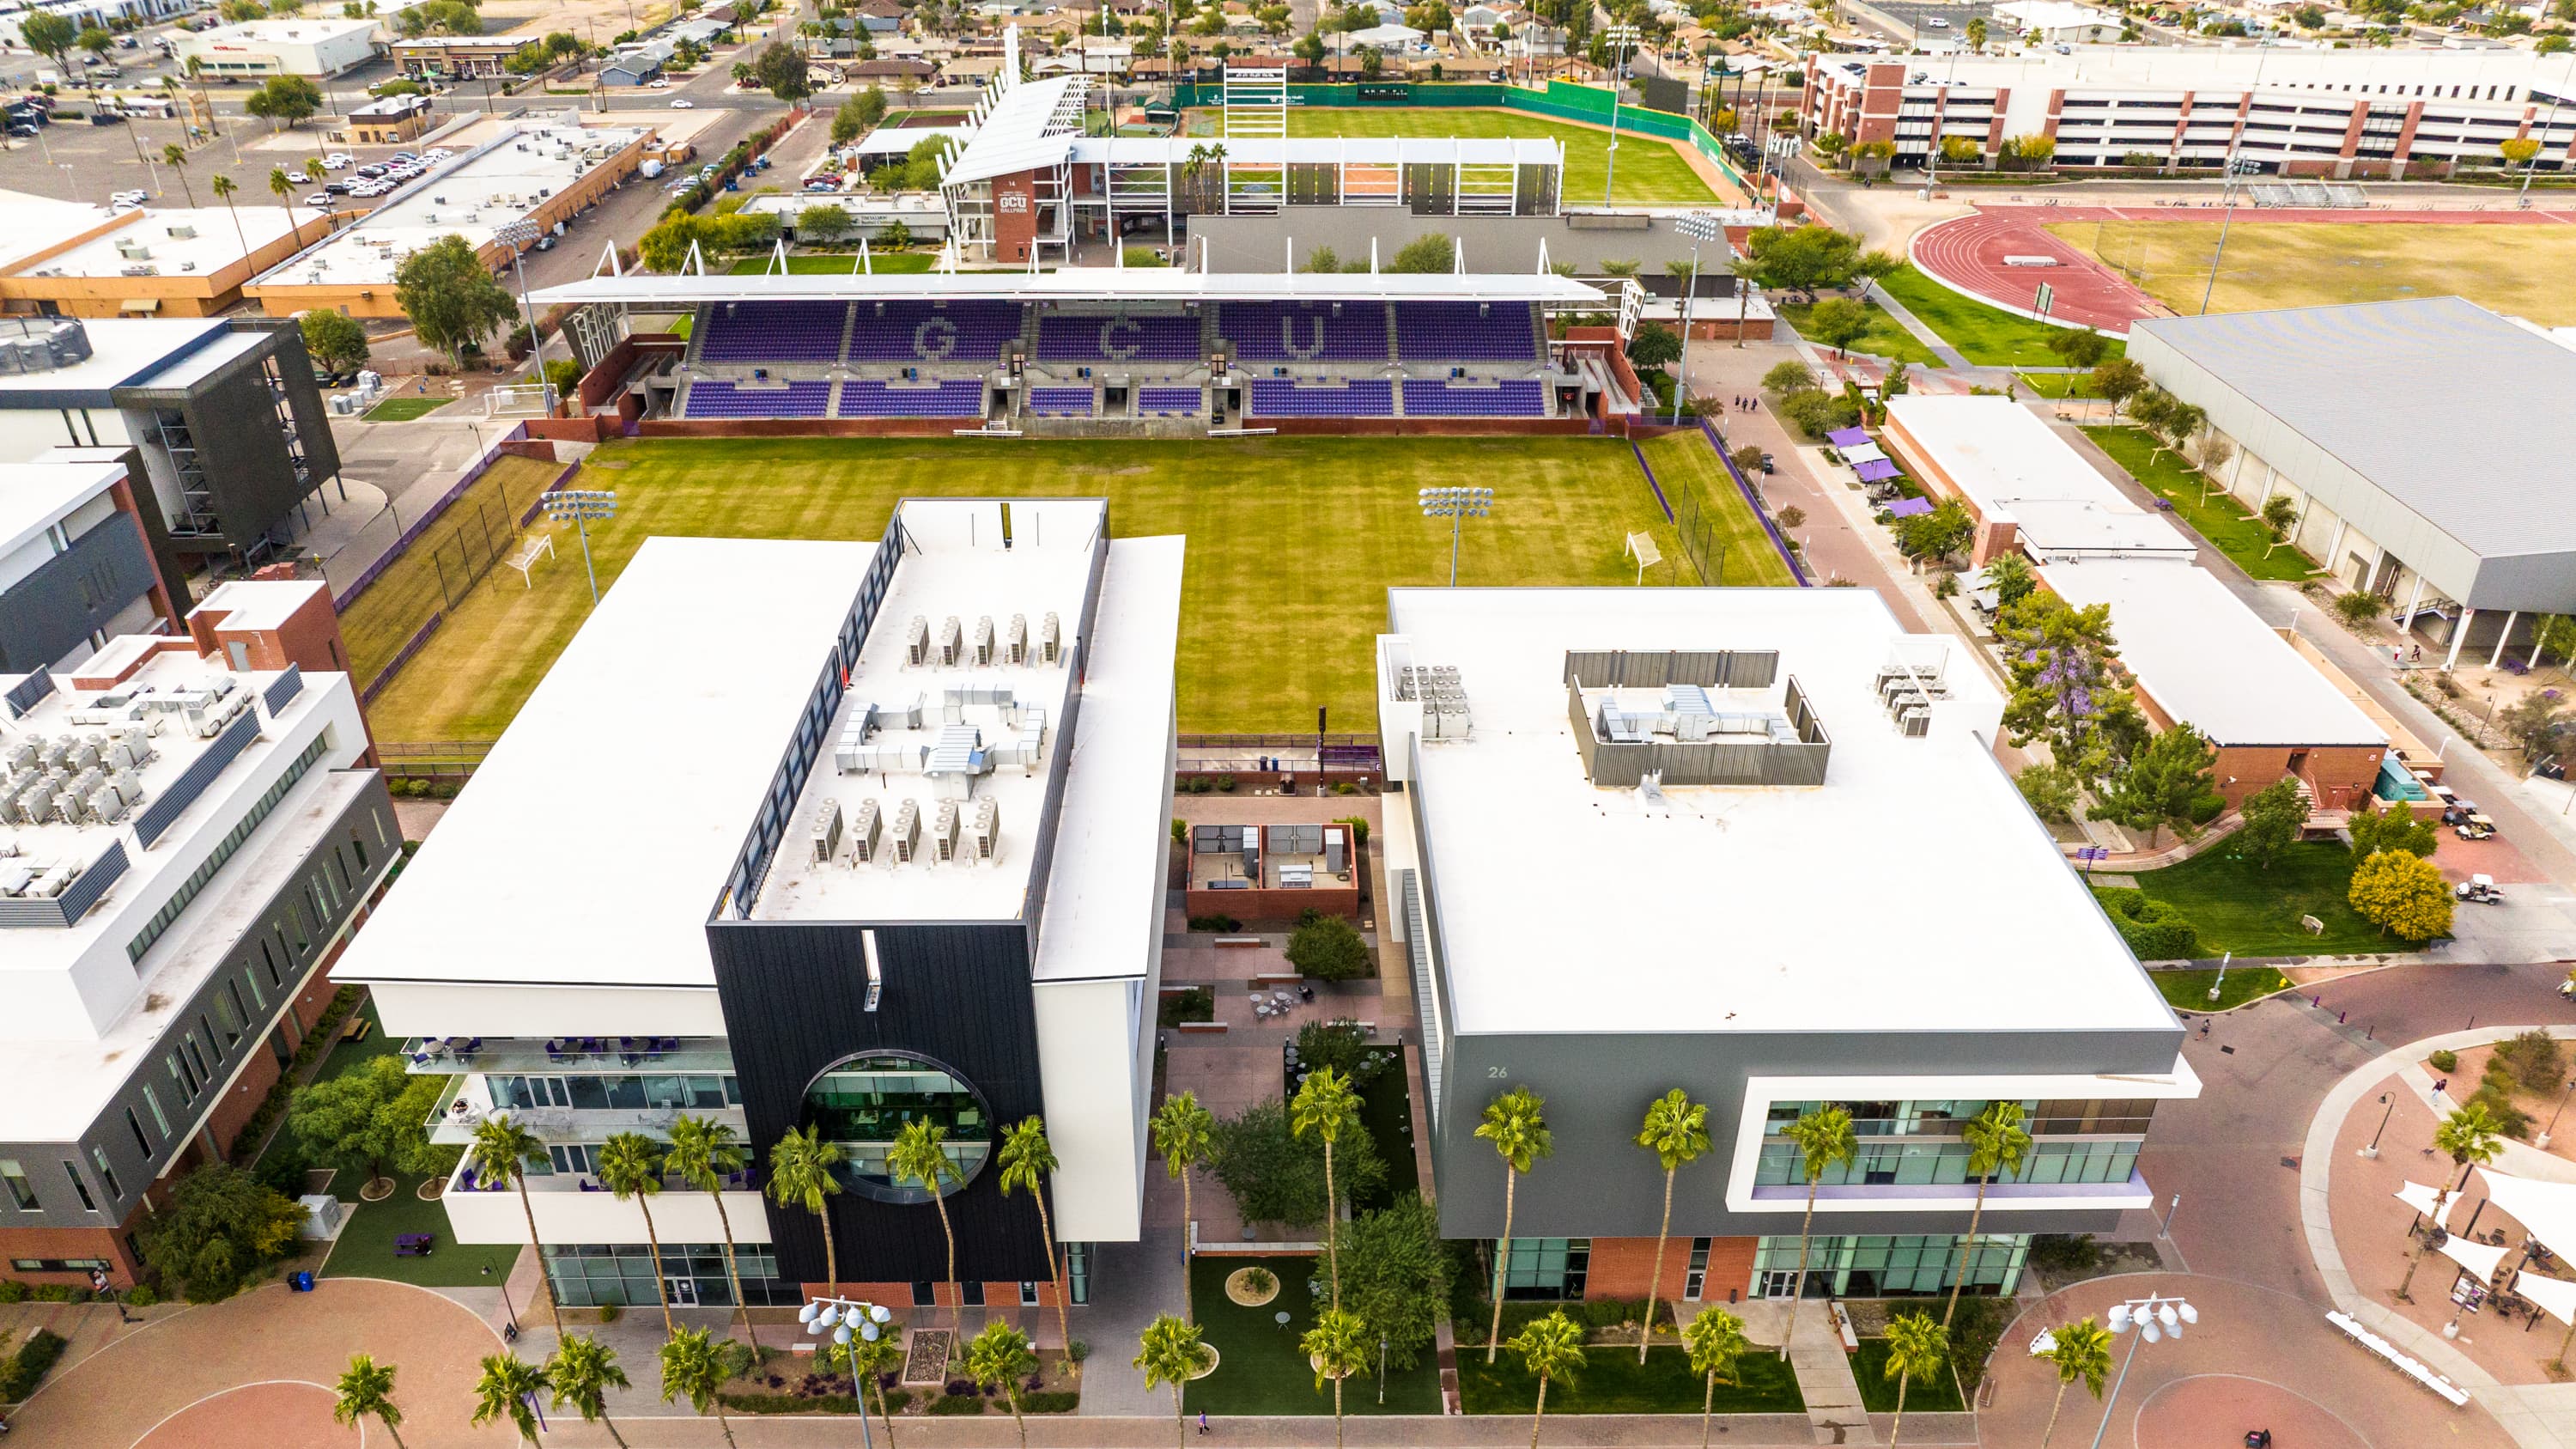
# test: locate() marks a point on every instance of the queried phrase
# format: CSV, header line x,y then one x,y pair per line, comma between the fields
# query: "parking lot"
x,y
1912,21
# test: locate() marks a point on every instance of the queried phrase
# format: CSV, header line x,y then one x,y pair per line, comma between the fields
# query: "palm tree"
x,y
1550,1348
366,1391
869,1360
1182,1130
177,160
2081,1350
508,1389
1997,1142
1170,1351
1325,1104
1825,1141
1715,1340
2469,1137
703,1153
582,1371
1916,1347
1027,1161
1000,1356
920,1154
696,1364
800,1175
278,185
1516,1123
1676,1131
224,187
500,1153
1335,1345
630,1165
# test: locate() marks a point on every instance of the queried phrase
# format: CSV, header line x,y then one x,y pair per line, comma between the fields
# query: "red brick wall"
x,y
1269,905
1621,1268
308,638
1014,232
2340,777
107,1243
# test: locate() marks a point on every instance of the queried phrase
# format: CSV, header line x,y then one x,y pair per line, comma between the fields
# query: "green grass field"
x,y
2527,271
403,597
1986,336
1292,544
1886,336
1611,1382
1685,460
840,264
2189,990
1650,170
403,409
2252,911
1259,1368
2221,519
1940,1395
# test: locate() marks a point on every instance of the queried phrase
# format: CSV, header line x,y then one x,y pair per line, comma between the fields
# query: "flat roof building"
x,y
2024,486
315,48
81,560
458,57
150,262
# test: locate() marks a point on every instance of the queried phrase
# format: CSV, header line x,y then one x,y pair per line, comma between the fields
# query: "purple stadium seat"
x,y
1304,331
1465,332
1060,402
1514,397
771,331
1167,402
725,400
972,332
1284,398
1094,337
955,397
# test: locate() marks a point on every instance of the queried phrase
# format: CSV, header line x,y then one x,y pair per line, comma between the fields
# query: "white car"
x,y
335,162
684,104
321,201
299,178
657,84
135,197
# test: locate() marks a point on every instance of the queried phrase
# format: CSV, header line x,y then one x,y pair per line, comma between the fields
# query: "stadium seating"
x,y
1060,402
1516,397
1461,332
1095,337
772,331
1304,331
928,332
956,397
1283,398
1167,402
725,400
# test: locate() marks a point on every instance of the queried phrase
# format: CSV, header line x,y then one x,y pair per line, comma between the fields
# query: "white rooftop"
x,y
212,242
122,351
2013,468
36,496
2206,660
1078,284
294,30
1565,907
37,222
258,603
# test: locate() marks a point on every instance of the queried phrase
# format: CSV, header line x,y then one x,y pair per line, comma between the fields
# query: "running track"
x,y
1967,253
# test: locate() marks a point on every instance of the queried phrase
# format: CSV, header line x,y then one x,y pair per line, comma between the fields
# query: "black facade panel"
x,y
233,418
50,612
795,1002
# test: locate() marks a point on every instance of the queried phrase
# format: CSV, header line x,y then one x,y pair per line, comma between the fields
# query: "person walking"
x,y
1203,1423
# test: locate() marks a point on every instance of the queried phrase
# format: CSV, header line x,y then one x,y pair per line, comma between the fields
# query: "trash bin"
x,y
302,1282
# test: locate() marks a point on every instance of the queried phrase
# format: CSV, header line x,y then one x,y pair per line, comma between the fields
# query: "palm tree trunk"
x,y
545,1280
238,234
1189,1219
1332,1216
1180,1421
956,1297
831,1259
1539,1413
1013,1395
661,1285
733,1275
611,1426
1337,1411
882,1416
1502,1256
2418,1260
1896,1426
725,1424
1063,1325
396,1433
1646,1325
1707,1410
1966,1246
1798,1292
2052,1414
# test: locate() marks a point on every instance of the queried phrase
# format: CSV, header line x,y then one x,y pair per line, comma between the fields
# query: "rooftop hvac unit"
x,y
1336,851
984,641
916,646
183,233
943,832
1050,639
827,831
952,636
1015,640
105,805
907,831
988,829
129,787
864,828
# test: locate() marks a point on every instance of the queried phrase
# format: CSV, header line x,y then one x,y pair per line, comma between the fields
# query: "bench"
x,y
1239,941
1201,1028
1278,978
413,1245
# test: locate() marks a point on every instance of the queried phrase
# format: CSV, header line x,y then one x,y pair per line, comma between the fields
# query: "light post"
x,y
1618,36
838,1317
2372,1151
519,236
2220,984
1455,504
506,1305
1699,226
2153,1317
582,506
2228,199
2543,1142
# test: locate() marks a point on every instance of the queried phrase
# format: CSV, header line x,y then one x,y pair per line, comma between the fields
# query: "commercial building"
x,y
192,826
81,560
2312,113
84,14
2026,489
910,866
315,49
543,171
2058,22
152,262
2351,411
1623,861
390,121
458,57
224,414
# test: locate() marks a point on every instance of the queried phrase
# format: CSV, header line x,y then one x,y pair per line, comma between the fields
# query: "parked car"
x,y
321,201
137,197
299,178
657,84
1767,465
2479,888
684,104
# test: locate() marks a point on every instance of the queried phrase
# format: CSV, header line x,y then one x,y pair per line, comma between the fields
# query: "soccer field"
x,y
1650,171
1292,544
2528,271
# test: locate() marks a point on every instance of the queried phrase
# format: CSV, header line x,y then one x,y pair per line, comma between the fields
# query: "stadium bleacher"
x,y
1513,397
956,397
1464,332
1060,402
1304,331
1094,337
709,399
1360,398
772,331
1167,402
907,331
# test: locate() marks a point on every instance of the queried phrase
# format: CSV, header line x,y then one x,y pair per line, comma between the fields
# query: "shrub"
x,y
2445,1060
1050,1402
1077,1350
60,1293
141,1296
2065,1252
2510,1119
2535,1061
1215,923
1225,784
792,1404
965,1403
12,1291
1259,1280
608,1313
1196,1004
1610,1312
2207,808
955,1387
2356,608
1330,949
27,1368
2155,930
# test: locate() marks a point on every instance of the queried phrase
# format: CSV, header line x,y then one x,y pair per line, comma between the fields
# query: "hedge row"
x,y
28,1366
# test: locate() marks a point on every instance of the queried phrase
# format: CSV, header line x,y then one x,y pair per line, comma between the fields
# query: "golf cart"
x,y
2474,826
2479,888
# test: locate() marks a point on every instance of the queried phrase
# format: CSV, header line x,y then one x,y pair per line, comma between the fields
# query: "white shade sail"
x,y
2475,1256
2419,1197
2556,1296
2546,1210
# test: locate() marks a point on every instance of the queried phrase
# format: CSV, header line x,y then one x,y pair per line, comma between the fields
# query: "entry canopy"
x,y
2546,1210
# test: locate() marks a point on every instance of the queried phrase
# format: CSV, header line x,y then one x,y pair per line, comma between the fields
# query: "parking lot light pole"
x,y
845,1319
1699,226
519,236
582,505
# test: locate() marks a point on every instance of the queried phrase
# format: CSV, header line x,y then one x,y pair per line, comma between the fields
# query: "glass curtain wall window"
x,y
864,1102
1895,1265
618,1090
1547,1268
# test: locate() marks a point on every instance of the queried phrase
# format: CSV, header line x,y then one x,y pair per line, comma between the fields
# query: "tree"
x,y
1676,1131
1997,1142
1395,1276
2280,517
1825,1140
1787,377
849,122
2078,346
704,1152
451,297
1655,345
2518,149
98,41
175,157
1333,1345
2395,828
1181,1133
1550,1348
1961,151
1838,322
820,226
500,1153
581,1371
2171,420
695,1366
48,34
2532,723
1516,1124
2119,380
1171,1352
780,69
217,1227
2274,816
1938,534
630,1165
2010,577
2470,1137
279,187
1716,1342
288,98
1977,32
870,1361
2400,891
999,1357
373,1115
2078,1350
1276,1175
1028,1161
1328,948
224,188
2049,790
2059,658
1916,1348
1434,253
2164,783
506,1391
1802,259
1325,1105
366,1391
920,1154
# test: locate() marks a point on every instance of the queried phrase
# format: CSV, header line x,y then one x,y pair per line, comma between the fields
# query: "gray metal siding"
x,y
74,594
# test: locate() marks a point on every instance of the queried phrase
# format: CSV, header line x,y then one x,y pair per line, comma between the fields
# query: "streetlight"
x,y
507,1306
2372,1151
2543,1142
1618,36
1699,226
2235,168
844,1319
1455,504
518,236
582,506
2153,1317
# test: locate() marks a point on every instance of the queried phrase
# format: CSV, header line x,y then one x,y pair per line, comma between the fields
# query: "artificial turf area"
x,y
834,264
1986,336
1261,1370
2525,271
381,620
1292,544
1684,460
2254,911
2219,518
403,409
1886,336
1651,170
1611,1382
365,1248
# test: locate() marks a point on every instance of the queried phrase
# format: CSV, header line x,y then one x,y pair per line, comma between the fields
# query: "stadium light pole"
x,y
1699,226
2153,1318
519,236
1456,505
2522,197
2235,144
582,505
1617,36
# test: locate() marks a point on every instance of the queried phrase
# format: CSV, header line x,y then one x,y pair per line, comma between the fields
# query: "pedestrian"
x,y
2419,654
1203,1427
2396,658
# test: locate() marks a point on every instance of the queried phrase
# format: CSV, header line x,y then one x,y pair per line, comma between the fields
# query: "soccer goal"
x,y
538,547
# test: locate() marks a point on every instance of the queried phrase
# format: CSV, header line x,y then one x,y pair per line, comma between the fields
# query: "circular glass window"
x,y
863,1103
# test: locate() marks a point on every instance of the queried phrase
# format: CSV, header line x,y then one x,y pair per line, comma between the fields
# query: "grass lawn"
x,y
1878,1391
1610,1382
1386,1110
2189,990
2255,912
1685,460
2527,271
403,409
1886,336
1292,541
366,1245
347,1054
1650,170
2057,384
2222,520
842,264
1987,336
403,597
1259,1368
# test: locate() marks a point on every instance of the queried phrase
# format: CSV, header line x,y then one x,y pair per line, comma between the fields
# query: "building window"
x,y
258,997
861,1102
971,1292
1077,1272
106,1174
140,1141
60,1265
71,1170
589,1275
21,1191
1547,1268
152,1103
1028,1294
1889,1266
196,1055
223,851
360,846
573,1158
1695,1278
186,1079
925,1294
